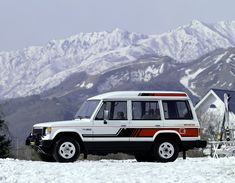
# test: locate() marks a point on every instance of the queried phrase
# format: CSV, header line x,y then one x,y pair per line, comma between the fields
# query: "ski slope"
x,y
192,170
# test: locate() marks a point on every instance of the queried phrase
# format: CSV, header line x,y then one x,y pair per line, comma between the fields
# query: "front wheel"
x,y
166,150
66,149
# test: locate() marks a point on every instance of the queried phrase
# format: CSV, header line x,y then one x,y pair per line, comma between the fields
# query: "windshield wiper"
x,y
80,117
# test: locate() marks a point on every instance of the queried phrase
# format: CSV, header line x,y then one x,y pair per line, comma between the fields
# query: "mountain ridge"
x,y
34,70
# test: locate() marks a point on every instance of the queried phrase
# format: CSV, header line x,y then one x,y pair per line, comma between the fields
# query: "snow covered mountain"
x,y
214,70
34,70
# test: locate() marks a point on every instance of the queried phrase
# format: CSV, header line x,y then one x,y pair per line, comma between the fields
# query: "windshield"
x,y
87,109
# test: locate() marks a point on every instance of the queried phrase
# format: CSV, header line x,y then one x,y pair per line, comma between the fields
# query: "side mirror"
x,y
106,116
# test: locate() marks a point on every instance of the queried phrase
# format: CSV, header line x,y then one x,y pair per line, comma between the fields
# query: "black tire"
x,y
46,158
66,149
166,150
144,157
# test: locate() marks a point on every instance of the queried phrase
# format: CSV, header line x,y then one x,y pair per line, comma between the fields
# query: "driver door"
x,y
111,133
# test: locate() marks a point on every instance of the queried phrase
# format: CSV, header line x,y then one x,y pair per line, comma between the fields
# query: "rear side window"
x,y
117,110
145,110
177,110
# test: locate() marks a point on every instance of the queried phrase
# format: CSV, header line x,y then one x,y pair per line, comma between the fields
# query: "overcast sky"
x,y
25,23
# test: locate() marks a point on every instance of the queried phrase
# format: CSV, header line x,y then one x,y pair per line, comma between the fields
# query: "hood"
x,y
75,122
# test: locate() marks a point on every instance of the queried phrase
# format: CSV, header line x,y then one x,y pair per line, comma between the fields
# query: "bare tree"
x,y
210,123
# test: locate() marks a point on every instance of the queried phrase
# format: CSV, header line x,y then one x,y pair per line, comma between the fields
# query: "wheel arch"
x,y
76,136
168,134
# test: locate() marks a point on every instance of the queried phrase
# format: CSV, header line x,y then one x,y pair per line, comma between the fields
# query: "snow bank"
x,y
190,170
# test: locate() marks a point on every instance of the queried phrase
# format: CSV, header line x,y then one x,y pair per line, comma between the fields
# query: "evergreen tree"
x,y
4,142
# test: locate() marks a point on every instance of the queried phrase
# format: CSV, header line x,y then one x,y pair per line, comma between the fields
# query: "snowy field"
x,y
190,170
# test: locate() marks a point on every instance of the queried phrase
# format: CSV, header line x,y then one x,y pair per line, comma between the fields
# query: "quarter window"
x,y
177,110
117,110
145,110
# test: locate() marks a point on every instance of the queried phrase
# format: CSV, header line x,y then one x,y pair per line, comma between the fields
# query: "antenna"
x,y
226,112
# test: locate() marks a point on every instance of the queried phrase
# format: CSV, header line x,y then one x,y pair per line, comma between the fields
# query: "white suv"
x,y
153,126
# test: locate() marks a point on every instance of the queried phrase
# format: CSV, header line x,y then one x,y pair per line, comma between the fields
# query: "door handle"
x,y
86,129
123,125
157,125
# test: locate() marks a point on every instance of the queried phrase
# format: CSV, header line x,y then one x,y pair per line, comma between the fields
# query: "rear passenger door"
x,y
146,120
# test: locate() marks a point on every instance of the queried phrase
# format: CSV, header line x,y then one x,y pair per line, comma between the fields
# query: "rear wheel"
x,y
66,149
166,150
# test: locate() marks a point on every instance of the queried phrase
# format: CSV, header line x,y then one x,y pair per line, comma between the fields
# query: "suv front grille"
x,y
38,132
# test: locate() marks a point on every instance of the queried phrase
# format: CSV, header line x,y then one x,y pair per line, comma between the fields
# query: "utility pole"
x,y
225,127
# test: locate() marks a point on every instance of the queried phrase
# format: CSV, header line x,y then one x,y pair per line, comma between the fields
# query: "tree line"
x,y
4,140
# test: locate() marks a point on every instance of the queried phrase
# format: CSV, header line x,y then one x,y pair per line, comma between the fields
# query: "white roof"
x,y
211,92
142,94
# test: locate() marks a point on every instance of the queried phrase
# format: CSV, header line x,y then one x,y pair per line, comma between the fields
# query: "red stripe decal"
x,y
169,94
164,94
139,131
134,132
150,132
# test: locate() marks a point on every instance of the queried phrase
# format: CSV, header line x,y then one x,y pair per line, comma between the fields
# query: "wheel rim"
x,y
166,150
67,150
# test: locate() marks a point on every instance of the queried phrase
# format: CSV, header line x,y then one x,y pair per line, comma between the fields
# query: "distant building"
x,y
213,104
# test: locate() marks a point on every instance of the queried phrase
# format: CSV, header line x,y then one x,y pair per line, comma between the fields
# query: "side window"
x,y
145,110
117,110
177,110
100,115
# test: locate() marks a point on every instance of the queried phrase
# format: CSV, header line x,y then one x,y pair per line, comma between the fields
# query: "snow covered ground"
x,y
190,170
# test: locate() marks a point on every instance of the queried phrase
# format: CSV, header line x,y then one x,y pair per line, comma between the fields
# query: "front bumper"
x,y
186,145
38,144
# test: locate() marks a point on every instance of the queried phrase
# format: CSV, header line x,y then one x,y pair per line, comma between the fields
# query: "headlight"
x,y
48,130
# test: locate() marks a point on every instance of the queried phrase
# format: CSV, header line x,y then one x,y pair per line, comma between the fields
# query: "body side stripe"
x,y
147,132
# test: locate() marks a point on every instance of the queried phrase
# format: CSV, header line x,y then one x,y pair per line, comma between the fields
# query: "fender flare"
x,y
165,132
66,131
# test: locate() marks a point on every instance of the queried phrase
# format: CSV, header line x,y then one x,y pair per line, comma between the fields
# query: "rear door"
x,y
146,119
